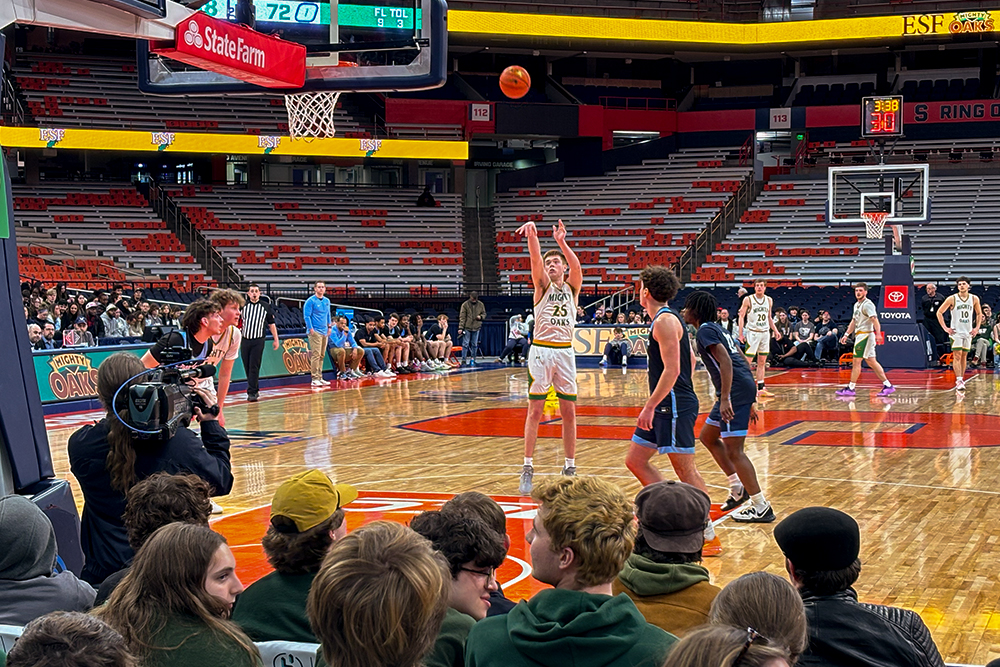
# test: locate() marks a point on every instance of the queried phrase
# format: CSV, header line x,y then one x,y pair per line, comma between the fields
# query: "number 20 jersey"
x,y
555,315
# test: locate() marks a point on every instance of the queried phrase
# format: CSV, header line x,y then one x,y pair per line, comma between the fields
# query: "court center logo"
x,y
295,355
72,376
51,136
163,139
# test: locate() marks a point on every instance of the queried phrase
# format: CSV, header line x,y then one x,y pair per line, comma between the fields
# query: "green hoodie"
x,y
646,577
561,628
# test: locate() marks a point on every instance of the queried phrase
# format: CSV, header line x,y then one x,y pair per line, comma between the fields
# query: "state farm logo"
x,y
896,296
223,45
904,338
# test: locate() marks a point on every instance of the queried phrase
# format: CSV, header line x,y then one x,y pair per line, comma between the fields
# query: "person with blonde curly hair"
x,y
580,538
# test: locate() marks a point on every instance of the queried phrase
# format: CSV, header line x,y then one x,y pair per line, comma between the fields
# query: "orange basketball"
x,y
515,82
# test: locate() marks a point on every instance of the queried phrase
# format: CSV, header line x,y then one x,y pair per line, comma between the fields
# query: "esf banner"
x,y
71,374
590,341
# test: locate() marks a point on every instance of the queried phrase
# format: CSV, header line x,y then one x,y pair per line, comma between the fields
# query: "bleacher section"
x,y
822,94
938,90
112,220
974,152
75,91
622,221
43,257
783,237
352,240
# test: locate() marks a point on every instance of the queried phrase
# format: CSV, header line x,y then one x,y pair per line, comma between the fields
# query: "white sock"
x,y
735,485
709,532
889,384
604,359
850,385
758,500
527,460
570,463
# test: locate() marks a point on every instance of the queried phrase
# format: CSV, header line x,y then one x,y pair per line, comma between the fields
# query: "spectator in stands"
x,y
470,321
581,316
805,330
481,506
417,343
70,316
69,639
598,315
620,319
375,349
226,345
316,312
609,316
48,340
42,316
31,582
114,325
51,296
715,645
81,301
768,604
634,317
474,551
426,199
663,576
821,547
379,598
154,319
307,518
930,303
146,309
94,323
79,336
58,312
982,344
793,313
173,606
517,341
616,350
421,345
827,335
439,340
107,464
784,327
154,502
582,534
136,327
34,335
344,352
34,304
256,316
725,322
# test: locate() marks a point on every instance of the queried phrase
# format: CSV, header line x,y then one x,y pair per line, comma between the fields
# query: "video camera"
x,y
165,402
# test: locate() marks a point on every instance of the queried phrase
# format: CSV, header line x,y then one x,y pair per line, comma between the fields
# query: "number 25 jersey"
x,y
555,315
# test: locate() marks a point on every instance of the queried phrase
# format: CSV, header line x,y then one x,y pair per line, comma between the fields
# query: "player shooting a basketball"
x,y
962,306
867,334
551,360
756,334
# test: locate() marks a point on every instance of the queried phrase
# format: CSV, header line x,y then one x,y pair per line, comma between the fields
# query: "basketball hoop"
x,y
310,115
874,223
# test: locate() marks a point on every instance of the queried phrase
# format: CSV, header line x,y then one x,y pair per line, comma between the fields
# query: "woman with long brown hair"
x,y
173,606
108,460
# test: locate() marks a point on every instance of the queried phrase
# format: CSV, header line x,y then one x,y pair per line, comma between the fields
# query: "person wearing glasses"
x,y
474,551
821,547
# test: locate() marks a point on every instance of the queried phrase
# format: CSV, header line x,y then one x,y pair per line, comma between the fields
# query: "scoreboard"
x,y
882,116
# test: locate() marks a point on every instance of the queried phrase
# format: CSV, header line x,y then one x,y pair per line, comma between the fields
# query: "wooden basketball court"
x,y
917,470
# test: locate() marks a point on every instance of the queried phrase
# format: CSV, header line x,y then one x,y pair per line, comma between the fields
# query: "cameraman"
x,y
201,321
107,460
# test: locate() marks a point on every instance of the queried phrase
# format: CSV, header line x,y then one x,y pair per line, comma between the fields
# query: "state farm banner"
x,y
237,51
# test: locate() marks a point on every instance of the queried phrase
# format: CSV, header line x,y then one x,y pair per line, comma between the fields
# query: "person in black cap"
x,y
664,575
821,547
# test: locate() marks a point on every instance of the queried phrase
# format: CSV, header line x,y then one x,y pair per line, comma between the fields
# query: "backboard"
x,y
902,191
407,40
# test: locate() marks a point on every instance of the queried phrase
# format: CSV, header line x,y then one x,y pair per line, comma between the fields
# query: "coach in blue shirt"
x,y
316,313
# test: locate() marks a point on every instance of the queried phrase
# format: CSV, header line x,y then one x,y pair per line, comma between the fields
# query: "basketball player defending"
x,y
756,335
551,360
666,423
867,330
727,425
962,306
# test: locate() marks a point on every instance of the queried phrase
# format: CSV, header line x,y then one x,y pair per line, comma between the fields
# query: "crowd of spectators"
x,y
58,317
625,586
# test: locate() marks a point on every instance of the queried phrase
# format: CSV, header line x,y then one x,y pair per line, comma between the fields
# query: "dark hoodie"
x,y
560,628
28,586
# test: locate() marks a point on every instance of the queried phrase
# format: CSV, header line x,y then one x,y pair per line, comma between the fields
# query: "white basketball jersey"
x,y
864,311
962,314
757,317
555,315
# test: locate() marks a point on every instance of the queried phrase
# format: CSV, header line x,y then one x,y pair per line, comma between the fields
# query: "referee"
x,y
255,316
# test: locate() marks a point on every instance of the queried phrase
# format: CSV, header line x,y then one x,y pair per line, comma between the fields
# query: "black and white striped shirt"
x,y
256,316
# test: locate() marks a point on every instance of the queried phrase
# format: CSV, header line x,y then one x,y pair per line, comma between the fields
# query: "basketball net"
x,y
310,115
874,223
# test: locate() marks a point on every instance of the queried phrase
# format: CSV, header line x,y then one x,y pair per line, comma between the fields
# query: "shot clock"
x,y
882,116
